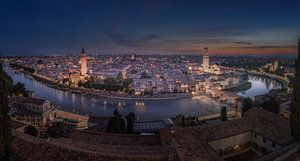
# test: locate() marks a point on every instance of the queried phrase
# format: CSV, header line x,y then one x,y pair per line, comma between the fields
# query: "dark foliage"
x,y
31,130
271,105
5,123
246,105
223,114
56,130
18,66
19,90
109,84
116,124
130,120
295,105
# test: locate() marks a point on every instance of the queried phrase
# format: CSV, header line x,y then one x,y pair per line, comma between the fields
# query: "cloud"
x,y
216,31
243,43
220,39
132,40
268,47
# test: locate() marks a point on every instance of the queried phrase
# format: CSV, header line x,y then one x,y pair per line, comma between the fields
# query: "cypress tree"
x,y
223,114
130,120
5,124
295,105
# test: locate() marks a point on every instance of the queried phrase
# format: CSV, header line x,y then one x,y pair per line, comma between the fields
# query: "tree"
x,y
116,113
144,75
116,124
119,77
40,61
31,130
130,120
28,69
246,105
56,130
19,90
271,105
5,124
223,113
113,126
295,105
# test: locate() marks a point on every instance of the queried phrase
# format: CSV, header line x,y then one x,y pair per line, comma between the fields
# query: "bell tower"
x,y
83,63
206,60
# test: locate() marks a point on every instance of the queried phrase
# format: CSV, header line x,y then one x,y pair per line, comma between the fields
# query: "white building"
x,y
33,111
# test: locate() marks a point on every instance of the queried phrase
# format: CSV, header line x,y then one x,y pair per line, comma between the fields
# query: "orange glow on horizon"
x,y
244,50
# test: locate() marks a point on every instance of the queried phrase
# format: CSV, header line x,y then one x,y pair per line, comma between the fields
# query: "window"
x,y
255,135
273,145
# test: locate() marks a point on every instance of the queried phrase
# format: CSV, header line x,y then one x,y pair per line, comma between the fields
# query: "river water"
x,y
145,110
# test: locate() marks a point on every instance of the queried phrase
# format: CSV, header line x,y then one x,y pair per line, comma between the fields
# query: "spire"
x,y
206,50
82,50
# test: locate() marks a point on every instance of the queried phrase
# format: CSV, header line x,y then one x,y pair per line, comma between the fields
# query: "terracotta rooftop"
x,y
191,142
270,125
24,111
188,144
91,146
30,100
99,119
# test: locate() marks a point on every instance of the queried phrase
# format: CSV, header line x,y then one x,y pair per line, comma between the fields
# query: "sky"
x,y
31,27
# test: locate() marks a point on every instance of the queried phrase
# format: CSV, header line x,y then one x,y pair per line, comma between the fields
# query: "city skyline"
x,y
149,27
150,80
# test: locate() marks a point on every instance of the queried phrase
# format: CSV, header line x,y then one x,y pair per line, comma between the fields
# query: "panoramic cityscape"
x,y
149,81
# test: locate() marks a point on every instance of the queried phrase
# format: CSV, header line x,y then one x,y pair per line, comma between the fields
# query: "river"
x,y
260,85
145,110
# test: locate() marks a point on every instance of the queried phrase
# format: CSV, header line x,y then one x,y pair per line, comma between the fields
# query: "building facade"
x,y
33,111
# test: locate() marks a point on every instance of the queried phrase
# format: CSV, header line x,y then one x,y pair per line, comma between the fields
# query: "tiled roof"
x,y
191,142
30,100
26,112
148,126
270,125
99,119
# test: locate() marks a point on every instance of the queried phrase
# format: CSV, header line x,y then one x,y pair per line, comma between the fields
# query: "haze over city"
x,y
42,27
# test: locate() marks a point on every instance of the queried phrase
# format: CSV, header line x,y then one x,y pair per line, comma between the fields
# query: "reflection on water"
x,y
147,110
260,85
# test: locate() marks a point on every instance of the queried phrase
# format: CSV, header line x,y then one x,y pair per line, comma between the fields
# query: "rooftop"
x,y
30,100
192,142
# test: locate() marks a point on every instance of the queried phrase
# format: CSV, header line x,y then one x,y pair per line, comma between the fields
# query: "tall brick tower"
x,y
206,60
83,63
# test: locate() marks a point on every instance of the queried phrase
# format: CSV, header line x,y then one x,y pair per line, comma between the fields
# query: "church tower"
x,y
206,60
83,63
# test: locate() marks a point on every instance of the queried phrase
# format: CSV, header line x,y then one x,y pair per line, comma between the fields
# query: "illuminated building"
x,y
83,63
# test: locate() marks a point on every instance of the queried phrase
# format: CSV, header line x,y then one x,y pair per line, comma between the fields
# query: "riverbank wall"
x,y
284,81
104,94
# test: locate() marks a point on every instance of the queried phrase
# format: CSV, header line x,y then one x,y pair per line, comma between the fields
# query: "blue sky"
x,y
32,27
